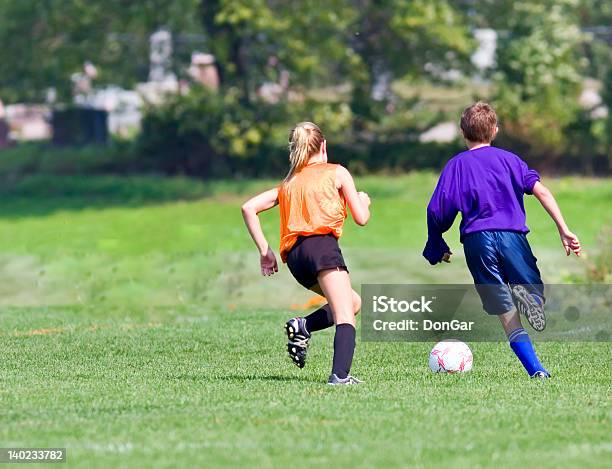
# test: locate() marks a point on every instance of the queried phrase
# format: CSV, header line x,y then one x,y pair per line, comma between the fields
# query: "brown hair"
x,y
478,122
305,139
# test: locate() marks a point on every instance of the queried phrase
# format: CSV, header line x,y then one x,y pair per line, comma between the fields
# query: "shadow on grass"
x,y
41,194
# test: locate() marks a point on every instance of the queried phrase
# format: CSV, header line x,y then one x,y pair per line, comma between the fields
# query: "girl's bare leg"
x,y
355,298
299,329
336,286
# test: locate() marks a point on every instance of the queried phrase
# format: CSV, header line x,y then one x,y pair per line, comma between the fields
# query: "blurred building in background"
x,y
28,122
483,57
4,128
203,70
124,107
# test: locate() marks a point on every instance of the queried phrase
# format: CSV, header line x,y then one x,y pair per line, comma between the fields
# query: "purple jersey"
x,y
486,185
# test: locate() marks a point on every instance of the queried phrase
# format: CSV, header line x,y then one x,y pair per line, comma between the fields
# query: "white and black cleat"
x,y
348,381
530,306
298,337
541,375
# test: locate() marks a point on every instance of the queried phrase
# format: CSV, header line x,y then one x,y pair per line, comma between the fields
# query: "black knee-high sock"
x,y
320,319
344,348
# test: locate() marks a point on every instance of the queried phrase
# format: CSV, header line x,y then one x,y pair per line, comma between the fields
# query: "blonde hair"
x,y
305,139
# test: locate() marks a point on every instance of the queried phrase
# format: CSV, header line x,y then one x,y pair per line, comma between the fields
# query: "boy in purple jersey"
x,y
486,184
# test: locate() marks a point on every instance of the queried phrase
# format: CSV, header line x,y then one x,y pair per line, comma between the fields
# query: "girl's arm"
x,y
358,202
570,241
250,209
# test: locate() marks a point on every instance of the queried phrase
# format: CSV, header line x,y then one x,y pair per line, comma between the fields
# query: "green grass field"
x,y
135,331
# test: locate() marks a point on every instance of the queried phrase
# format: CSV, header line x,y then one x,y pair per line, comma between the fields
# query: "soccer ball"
x,y
450,356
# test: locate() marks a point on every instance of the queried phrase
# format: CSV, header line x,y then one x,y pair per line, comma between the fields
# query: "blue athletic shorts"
x,y
497,259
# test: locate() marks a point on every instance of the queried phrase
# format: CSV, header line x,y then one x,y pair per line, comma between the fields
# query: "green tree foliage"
x,y
596,16
605,133
215,134
370,42
350,51
302,37
317,43
395,39
45,41
538,75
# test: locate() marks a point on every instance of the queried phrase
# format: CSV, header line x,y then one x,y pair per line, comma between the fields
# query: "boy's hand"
x,y
436,250
571,243
268,263
365,198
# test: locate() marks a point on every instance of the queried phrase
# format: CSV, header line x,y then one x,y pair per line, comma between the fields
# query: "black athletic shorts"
x,y
312,254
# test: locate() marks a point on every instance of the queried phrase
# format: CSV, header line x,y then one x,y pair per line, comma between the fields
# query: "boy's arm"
x,y
570,241
250,209
436,250
441,213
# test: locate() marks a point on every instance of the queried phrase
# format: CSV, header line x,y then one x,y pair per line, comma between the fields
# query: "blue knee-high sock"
x,y
521,345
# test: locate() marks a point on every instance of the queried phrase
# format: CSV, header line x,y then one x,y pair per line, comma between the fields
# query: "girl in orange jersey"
x,y
312,199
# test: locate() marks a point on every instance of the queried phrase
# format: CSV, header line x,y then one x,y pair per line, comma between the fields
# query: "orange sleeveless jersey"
x,y
310,204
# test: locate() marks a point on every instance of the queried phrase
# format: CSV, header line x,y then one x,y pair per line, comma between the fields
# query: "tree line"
x,y
545,51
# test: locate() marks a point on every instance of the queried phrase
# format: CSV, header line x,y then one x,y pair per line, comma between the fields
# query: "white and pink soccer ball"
x,y
450,356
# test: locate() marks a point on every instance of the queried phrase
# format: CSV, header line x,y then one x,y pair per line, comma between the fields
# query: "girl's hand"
x,y
268,263
365,198
571,243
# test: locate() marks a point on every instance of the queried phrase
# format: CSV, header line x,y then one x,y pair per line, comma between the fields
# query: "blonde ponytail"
x,y
305,139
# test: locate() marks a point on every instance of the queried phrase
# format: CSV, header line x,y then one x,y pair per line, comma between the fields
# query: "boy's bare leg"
x,y
510,321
